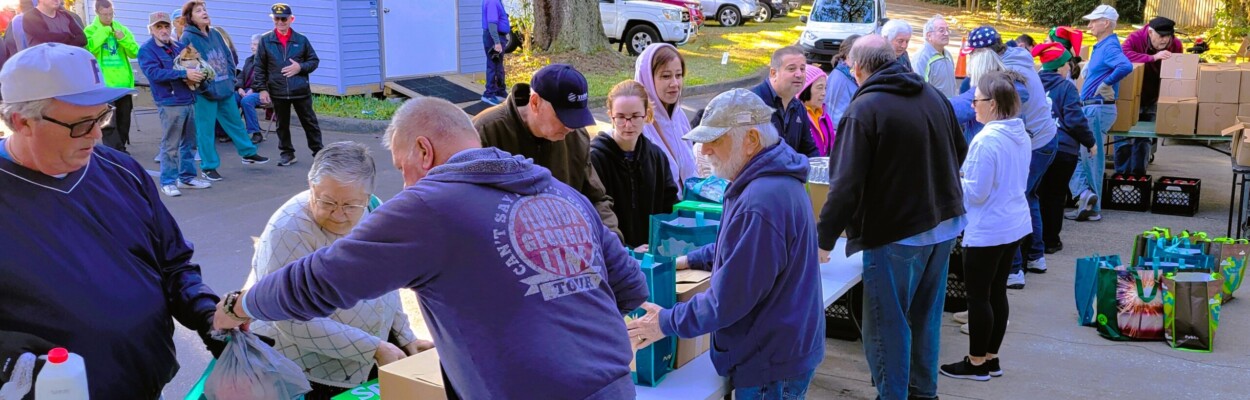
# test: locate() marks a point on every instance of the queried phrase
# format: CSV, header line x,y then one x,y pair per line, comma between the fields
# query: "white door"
x,y
420,38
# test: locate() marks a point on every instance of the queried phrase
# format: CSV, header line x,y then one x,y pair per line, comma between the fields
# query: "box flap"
x,y
691,277
1243,122
421,367
1178,100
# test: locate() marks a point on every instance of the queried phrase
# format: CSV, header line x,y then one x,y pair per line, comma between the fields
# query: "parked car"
x,y
637,24
770,9
695,8
731,12
832,21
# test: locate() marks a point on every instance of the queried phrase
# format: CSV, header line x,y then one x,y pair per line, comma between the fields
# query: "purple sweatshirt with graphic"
x,y
522,286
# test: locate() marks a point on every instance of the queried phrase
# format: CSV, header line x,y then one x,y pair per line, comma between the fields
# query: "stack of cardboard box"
x,y
1177,110
1128,104
1219,95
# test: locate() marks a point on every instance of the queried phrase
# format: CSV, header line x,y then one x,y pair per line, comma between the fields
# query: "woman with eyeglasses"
x,y
345,349
993,178
634,170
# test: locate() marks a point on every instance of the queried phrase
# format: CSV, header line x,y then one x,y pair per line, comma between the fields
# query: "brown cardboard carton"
x,y
1176,116
1214,117
1130,86
1126,113
689,283
1216,83
1245,84
1178,88
1244,110
1180,66
415,377
1241,140
818,192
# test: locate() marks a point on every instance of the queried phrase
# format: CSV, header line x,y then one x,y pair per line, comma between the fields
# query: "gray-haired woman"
x,y
344,350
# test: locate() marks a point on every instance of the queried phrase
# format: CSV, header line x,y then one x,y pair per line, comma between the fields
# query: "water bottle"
x,y
63,377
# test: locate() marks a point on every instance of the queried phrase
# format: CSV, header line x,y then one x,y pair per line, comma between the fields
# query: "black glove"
x,y
14,344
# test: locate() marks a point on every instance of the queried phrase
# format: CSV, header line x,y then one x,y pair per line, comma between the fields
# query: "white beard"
x,y
727,170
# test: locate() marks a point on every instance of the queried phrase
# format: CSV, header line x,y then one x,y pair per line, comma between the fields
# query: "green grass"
x,y
749,46
358,107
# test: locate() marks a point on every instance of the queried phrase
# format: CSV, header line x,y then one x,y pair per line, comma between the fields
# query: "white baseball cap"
x,y
56,71
1103,12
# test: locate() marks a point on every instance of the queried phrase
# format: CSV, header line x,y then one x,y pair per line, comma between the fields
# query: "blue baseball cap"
x,y
567,91
56,71
982,37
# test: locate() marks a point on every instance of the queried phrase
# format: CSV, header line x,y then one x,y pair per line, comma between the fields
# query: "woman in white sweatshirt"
x,y
993,177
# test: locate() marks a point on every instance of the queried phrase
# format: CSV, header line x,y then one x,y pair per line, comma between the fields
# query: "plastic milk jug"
x,y
63,377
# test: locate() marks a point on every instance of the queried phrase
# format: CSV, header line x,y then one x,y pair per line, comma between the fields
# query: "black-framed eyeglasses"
x,y
349,209
976,100
633,119
82,128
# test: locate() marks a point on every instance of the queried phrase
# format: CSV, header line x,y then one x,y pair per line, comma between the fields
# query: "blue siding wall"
x,y
316,19
359,34
472,57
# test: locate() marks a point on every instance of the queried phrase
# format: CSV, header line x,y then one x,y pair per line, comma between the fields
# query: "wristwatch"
x,y
232,298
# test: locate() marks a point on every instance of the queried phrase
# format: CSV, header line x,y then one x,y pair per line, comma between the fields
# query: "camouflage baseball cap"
x,y
732,109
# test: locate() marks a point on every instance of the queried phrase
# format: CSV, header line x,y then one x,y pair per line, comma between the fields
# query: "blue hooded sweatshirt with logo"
x,y
523,287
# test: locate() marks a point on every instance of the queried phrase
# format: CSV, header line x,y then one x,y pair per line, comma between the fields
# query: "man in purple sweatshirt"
x,y
764,307
1149,45
523,286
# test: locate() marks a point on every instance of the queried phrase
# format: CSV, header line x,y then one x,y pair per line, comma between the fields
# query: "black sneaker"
x,y
992,365
965,370
287,159
1054,249
257,137
255,159
212,175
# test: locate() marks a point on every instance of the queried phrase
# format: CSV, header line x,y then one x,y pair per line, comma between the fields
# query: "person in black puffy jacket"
x,y
284,61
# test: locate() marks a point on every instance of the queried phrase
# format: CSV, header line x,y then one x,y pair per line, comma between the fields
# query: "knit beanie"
x,y
813,73
1070,37
1052,54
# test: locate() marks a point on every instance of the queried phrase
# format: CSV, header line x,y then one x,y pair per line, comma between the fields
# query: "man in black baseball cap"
x,y
545,120
1150,45
284,61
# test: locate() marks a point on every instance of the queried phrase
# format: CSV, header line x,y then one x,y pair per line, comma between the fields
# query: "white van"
x,y
832,21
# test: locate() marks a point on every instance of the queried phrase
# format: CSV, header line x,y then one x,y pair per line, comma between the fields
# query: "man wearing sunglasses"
x,y
284,60
93,261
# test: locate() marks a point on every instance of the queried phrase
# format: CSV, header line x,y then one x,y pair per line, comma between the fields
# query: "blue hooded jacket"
x,y
216,53
764,307
1066,107
524,288
166,83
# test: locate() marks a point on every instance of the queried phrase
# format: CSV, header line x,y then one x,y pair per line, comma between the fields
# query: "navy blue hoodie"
x,y
522,285
1066,107
764,306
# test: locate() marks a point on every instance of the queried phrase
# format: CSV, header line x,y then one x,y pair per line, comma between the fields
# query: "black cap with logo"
x,y
567,91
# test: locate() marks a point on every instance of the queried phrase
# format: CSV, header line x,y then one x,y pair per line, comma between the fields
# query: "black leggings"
x,y
1053,192
985,276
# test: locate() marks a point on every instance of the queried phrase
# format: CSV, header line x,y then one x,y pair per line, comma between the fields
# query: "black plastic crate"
x,y
1177,196
1126,192
956,292
844,317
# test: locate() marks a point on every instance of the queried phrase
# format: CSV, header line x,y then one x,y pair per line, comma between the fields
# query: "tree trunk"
x,y
568,25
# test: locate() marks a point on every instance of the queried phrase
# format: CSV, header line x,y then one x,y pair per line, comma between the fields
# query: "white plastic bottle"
x,y
63,377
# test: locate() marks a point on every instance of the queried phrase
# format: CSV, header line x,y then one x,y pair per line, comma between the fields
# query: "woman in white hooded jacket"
x,y
661,70
993,177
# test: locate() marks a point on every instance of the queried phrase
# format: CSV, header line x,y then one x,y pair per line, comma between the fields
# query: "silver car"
x,y
730,12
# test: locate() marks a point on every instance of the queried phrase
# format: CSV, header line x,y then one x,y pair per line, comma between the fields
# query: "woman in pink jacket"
x,y
661,70
813,97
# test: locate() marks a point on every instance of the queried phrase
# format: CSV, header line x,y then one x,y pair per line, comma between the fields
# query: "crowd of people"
x,y
517,220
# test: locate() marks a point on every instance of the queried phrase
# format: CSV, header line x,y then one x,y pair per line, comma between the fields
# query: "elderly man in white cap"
x,y
93,262
764,307
1107,66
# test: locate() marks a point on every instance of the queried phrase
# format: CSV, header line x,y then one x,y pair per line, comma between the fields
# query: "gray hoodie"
x,y
1036,111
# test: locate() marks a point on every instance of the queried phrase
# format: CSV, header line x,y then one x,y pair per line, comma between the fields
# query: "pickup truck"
x,y
636,24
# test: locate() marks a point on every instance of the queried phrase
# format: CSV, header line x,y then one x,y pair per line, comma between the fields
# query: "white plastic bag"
x,y
249,369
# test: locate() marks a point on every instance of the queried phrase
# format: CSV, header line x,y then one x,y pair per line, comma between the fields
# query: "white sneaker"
x,y
1016,280
1085,206
1037,266
961,317
171,190
194,183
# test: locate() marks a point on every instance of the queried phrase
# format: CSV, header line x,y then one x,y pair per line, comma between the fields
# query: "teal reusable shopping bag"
x,y
674,235
1086,288
653,362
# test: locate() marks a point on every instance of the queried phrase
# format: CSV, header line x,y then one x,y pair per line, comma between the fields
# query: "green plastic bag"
x,y
1191,310
1130,305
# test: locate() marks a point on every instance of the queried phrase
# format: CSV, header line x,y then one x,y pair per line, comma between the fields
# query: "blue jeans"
x,y
1089,170
792,388
1038,164
904,291
495,85
1132,155
226,112
177,143
248,104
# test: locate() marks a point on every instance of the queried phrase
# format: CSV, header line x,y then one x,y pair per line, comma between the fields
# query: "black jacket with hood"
x,y
272,57
894,170
636,186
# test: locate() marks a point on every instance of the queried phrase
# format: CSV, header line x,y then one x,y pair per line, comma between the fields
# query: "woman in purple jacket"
x,y
813,98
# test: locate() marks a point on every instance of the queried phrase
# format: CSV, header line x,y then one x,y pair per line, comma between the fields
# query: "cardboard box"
x,y
1216,83
1241,140
415,377
819,193
1178,88
1180,66
1126,114
1214,117
689,283
1244,110
1245,84
1130,86
1176,116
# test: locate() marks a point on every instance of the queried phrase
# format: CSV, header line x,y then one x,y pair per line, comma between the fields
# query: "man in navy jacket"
x,y
176,103
764,307
786,77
